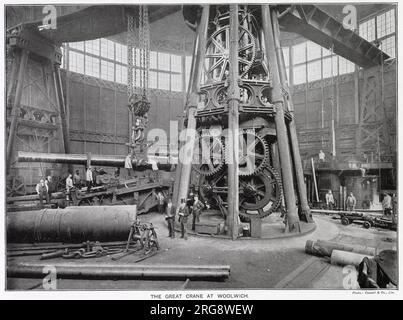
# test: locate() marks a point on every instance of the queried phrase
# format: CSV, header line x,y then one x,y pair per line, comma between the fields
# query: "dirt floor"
x,y
255,264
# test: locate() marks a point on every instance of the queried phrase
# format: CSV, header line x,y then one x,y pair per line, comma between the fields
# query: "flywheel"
x,y
260,194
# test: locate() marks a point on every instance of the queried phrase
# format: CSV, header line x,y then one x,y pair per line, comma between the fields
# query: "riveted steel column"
x,y
186,152
233,125
305,210
282,139
16,106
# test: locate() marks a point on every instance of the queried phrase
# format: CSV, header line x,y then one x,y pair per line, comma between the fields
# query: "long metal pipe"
x,y
35,197
282,138
120,271
233,124
95,159
72,224
186,154
299,172
14,111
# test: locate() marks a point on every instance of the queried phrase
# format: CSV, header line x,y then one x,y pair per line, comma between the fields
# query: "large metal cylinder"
x,y
72,224
96,159
325,248
119,271
344,258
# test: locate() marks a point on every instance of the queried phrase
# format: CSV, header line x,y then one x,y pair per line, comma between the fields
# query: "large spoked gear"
x,y
208,155
260,194
217,53
254,153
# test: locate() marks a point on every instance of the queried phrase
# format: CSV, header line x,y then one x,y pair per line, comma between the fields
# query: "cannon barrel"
x,y
96,159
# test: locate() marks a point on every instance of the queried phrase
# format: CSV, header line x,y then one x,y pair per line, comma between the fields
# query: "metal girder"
x,y
96,22
317,26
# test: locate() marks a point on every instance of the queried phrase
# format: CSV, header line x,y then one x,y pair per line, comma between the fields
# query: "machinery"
x,y
238,102
240,113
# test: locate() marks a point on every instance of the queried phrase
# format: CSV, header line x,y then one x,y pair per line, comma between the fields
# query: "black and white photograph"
x,y
200,151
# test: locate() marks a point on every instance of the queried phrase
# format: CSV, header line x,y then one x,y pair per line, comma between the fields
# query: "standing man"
x,y
321,156
51,186
88,178
329,200
77,179
183,212
351,202
160,199
387,204
170,218
69,186
42,190
196,209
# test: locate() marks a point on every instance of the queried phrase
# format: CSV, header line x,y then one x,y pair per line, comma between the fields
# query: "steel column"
x,y
63,111
16,105
305,210
186,156
282,139
233,125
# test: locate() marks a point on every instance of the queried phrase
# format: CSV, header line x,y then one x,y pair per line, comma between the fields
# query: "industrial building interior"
x,y
122,124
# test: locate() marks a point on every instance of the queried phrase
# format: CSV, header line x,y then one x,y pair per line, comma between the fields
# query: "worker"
x,y
183,212
161,201
330,200
196,210
394,208
387,204
50,184
42,190
69,186
351,202
170,218
88,178
321,156
77,179
128,164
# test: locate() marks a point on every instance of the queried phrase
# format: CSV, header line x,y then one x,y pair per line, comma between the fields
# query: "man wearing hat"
x,y
183,212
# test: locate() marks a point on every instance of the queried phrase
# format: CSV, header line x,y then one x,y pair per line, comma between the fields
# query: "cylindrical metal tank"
x,y
72,224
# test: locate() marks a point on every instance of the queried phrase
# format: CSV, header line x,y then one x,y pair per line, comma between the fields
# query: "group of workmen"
x,y
191,206
47,186
388,203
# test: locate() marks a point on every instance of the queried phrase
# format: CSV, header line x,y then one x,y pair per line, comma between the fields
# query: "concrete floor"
x,y
255,264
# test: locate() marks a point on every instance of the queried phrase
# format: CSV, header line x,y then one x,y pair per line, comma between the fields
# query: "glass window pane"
x,y
388,46
176,82
92,46
153,60
77,45
314,70
385,23
76,62
176,63
153,80
299,74
163,61
107,70
299,53
163,80
121,74
314,50
367,30
92,66
107,49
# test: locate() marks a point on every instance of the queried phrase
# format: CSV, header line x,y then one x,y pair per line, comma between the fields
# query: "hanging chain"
x,y
131,82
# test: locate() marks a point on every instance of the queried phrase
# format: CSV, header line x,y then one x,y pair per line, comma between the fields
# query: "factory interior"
x,y
188,147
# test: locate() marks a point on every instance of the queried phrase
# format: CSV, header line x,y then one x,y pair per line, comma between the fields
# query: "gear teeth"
x,y
216,169
266,151
273,174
